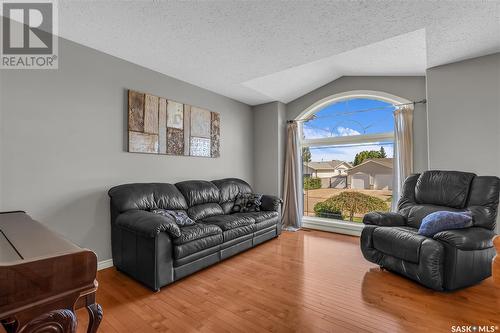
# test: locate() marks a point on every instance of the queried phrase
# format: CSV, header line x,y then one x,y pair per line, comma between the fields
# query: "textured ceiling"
x,y
261,51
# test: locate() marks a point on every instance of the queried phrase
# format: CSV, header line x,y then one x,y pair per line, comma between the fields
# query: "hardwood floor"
x,y
308,281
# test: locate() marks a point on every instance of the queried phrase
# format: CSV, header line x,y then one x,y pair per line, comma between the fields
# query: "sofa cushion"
x,y
443,188
262,219
198,192
146,196
197,231
400,242
265,224
229,189
259,216
183,250
228,222
202,211
238,232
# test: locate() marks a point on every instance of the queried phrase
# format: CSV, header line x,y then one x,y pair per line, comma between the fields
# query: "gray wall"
x,y
63,141
281,145
464,115
268,123
411,88
1,131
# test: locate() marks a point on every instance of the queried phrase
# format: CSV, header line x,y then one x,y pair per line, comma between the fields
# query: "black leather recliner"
x,y
143,248
451,259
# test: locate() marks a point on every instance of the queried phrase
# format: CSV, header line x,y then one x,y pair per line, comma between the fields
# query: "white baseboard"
x,y
347,228
104,264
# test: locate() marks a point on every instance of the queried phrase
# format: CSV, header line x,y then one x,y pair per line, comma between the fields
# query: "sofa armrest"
x,y
384,219
468,239
270,203
147,224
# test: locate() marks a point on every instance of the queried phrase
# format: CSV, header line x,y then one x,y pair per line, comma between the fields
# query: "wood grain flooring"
x,y
308,281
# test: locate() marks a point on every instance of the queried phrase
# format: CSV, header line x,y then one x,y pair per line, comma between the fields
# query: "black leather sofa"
x,y
451,259
143,248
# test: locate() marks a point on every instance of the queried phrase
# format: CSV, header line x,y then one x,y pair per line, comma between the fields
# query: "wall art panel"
x,y
175,115
151,114
162,125
175,141
187,129
135,111
215,134
157,125
200,147
200,122
143,142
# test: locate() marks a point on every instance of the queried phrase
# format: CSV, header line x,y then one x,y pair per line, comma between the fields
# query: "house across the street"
x,y
333,173
372,174
326,169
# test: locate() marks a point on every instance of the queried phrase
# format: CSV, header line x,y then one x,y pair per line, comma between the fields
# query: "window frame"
x,y
341,226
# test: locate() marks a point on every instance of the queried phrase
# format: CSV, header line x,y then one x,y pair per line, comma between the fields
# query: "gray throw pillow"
x,y
247,202
180,216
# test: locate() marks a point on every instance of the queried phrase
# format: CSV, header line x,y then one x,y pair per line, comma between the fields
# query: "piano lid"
x,y
22,238
7,251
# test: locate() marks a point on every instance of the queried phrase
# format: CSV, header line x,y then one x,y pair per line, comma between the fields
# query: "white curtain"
x,y
403,150
293,192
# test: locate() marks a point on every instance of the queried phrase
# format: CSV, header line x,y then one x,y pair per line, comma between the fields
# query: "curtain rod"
x,y
422,101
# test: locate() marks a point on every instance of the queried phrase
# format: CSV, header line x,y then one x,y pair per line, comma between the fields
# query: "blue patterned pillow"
x,y
443,220
180,216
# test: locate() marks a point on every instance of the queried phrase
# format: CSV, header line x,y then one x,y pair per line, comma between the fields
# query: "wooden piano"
x,y
43,279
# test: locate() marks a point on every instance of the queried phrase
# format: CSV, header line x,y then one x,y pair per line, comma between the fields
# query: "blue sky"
x,y
341,119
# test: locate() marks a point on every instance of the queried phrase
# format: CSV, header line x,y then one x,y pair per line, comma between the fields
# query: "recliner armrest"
x,y
147,224
270,203
468,239
384,219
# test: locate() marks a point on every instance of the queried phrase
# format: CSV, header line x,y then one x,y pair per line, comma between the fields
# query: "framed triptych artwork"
x,y
158,125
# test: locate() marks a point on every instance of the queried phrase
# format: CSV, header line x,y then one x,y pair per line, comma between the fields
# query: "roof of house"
x,y
327,165
385,162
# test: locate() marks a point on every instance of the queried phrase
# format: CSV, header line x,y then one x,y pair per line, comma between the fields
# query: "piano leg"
x,y
95,316
57,321
10,325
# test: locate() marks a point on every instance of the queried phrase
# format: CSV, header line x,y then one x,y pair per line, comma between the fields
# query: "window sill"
x,y
331,225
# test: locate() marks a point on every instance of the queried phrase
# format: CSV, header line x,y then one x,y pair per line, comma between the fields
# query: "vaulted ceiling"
x,y
262,51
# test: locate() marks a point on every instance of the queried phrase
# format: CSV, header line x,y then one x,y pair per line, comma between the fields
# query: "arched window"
x,y
347,152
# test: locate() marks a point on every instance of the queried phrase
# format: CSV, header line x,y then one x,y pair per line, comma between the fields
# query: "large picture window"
x,y
347,155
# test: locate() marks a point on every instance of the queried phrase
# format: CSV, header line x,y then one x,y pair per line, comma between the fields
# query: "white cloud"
x,y
346,131
317,133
